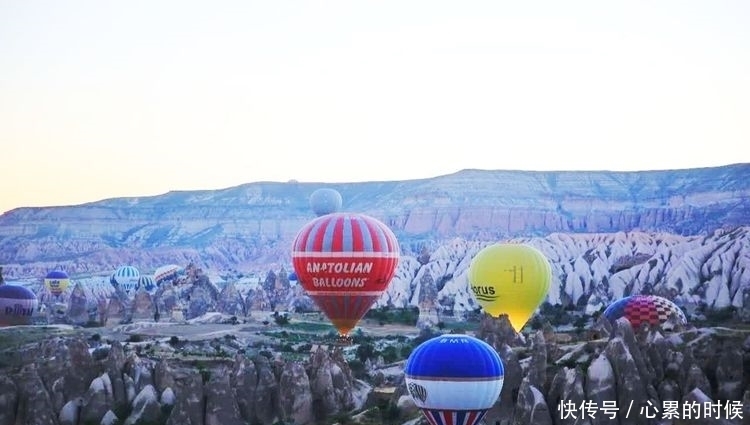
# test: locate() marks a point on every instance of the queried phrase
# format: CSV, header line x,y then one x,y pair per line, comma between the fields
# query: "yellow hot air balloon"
x,y
510,279
57,282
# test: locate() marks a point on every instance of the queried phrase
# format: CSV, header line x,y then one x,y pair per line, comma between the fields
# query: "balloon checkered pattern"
x,y
648,309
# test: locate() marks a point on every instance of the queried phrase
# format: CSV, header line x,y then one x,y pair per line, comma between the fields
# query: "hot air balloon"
x,y
345,261
17,305
454,379
147,283
510,279
325,201
640,309
56,282
126,278
166,273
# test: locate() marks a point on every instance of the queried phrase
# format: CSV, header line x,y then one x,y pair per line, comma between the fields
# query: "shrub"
x,y
358,369
135,338
281,319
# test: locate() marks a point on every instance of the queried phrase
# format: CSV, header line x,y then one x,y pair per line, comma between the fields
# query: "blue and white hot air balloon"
x,y
17,305
325,201
147,283
126,277
454,379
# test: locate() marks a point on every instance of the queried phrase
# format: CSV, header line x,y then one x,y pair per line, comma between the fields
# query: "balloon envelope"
x,y
454,378
147,283
127,278
344,262
510,279
325,201
17,305
166,273
640,309
56,282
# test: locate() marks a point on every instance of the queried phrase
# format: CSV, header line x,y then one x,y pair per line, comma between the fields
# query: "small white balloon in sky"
x,y
325,201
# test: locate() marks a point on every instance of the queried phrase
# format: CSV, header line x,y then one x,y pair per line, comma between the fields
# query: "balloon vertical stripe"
x,y
345,261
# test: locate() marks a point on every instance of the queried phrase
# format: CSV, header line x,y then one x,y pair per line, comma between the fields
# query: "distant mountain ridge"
x,y
251,226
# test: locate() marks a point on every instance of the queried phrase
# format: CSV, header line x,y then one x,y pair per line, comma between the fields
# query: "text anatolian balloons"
x,y
345,261
510,279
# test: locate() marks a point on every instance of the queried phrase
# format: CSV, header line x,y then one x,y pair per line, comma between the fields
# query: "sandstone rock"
x,y
230,301
295,395
531,407
8,400
98,399
221,405
189,406
145,408
35,405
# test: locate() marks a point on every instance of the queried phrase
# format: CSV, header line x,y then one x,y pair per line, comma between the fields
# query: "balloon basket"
x,y
344,341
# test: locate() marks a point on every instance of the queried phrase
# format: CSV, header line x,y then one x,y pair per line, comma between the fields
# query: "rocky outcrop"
x,y
698,273
253,225
622,379
632,377
72,388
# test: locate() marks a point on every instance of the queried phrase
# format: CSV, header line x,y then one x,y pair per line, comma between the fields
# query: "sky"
x,y
102,99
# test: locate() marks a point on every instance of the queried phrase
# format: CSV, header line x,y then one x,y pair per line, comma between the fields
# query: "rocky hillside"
x,y
251,227
589,271
646,375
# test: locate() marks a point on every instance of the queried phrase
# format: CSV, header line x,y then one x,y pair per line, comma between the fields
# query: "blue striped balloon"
x,y
17,305
147,283
126,278
454,379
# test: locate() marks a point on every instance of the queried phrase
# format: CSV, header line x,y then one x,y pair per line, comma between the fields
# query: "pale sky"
x,y
102,99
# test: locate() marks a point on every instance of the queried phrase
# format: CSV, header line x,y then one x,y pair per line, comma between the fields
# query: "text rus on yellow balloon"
x,y
510,279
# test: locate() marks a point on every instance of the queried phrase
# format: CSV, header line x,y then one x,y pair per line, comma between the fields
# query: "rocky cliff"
x,y
644,376
251,227
588,271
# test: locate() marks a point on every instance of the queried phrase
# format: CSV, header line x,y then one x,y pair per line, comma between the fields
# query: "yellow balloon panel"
x,y
510,279
56,285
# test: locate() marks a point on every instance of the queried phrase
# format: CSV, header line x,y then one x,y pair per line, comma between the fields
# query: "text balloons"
x,y
56,282
17,305
644,309
325,201
510,279
454,379
345,261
